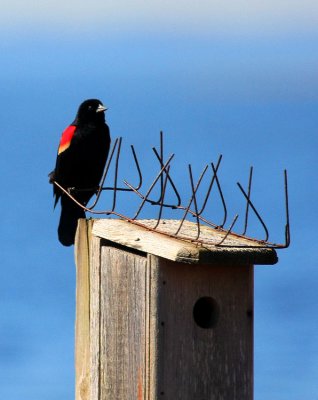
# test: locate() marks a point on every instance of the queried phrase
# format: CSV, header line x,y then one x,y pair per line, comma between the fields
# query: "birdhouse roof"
x,y
139,235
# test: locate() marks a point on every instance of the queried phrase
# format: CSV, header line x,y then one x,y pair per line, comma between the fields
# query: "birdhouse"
x,y
163,318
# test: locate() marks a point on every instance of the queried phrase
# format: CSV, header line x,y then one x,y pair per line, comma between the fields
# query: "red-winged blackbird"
x,y
80,162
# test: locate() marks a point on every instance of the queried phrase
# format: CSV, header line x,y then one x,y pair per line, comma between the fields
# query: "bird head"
x,y
91,110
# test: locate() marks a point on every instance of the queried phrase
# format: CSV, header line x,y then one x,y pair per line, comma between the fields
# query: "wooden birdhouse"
x,y
163,318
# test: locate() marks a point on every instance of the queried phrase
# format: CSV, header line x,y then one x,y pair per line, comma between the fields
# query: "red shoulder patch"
x,y
66,138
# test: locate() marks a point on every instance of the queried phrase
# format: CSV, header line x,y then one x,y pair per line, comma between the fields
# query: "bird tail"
x,y
70,213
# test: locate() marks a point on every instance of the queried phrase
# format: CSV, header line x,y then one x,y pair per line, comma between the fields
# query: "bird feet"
x,y
70,190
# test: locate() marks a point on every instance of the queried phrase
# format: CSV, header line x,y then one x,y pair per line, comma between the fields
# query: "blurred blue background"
x,y
238,79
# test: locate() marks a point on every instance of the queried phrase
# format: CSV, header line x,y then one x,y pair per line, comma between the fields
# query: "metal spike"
x,y
228,232
164,176
187,209
255,211
211,185
247,202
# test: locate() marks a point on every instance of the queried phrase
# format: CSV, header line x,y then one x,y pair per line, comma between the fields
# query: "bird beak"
x,y
101,108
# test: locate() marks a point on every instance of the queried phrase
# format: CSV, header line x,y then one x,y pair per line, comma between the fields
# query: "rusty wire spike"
x,y
209,223
132,189
210,186
152,202
255,211
77,202
116,175
138,167
247,202
157,202
107,212
287,228
170,180
123,189
145,198
187,209
164,176
287,225
104,176
160,158
228,231
162,197
195,203
161,165
221,195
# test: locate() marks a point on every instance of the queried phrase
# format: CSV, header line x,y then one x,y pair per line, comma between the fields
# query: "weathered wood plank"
x,y
95,295
137,334
122,325
204,363
153,328
143,239
82,336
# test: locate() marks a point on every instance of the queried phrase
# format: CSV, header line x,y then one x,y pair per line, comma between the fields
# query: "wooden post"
x,y
161,318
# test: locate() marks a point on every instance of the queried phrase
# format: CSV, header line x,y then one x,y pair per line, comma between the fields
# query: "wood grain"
x,y
95,296
143,239
82,335
198,363
122,325
136,335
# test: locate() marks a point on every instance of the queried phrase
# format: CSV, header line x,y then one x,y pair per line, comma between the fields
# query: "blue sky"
x,y
238,79
250,17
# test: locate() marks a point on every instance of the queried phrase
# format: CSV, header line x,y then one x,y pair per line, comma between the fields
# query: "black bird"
x,y
80,163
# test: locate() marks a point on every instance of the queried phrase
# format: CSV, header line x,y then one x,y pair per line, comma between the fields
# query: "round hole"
x,y
206,312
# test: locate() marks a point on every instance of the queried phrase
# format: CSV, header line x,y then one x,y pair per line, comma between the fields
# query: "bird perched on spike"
x,y
80,163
